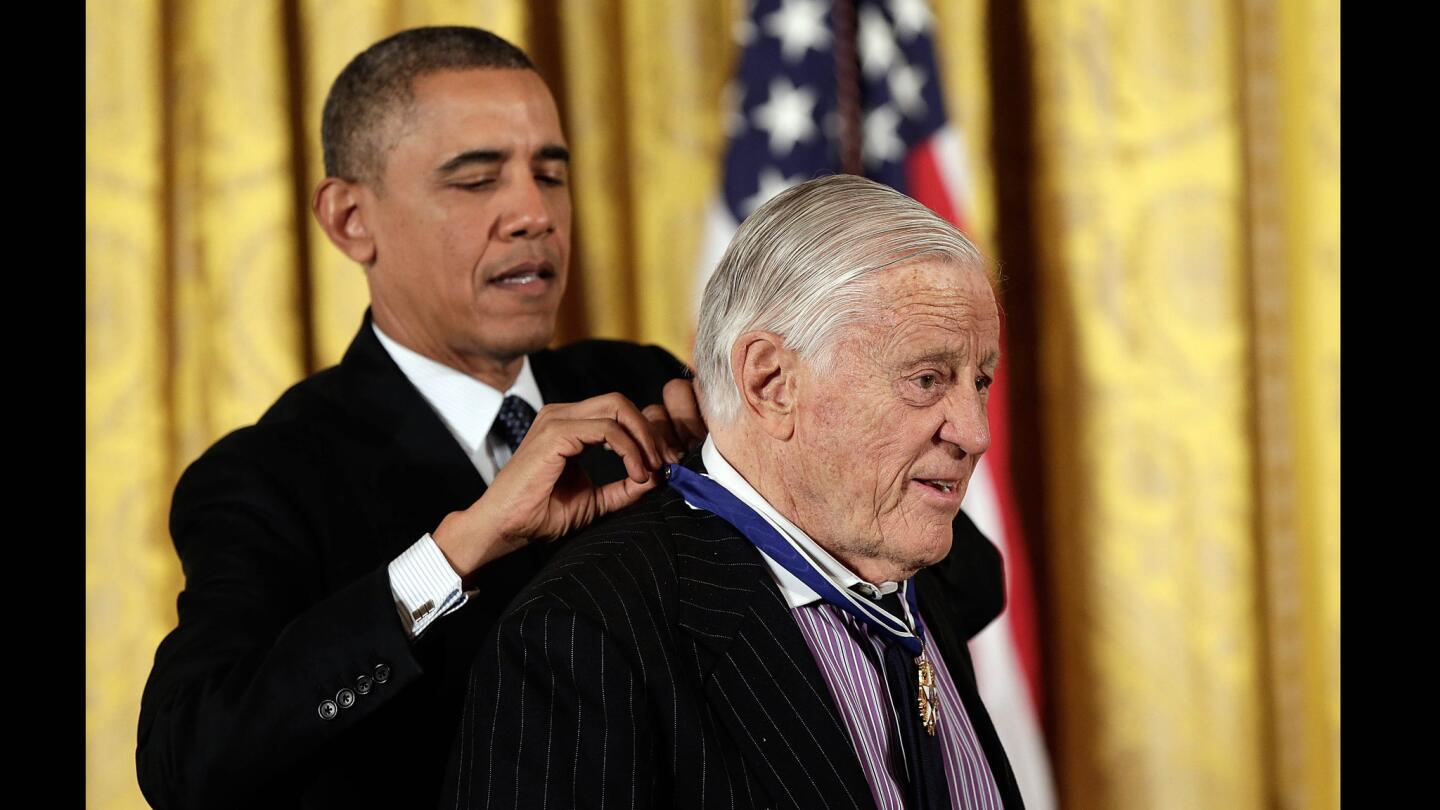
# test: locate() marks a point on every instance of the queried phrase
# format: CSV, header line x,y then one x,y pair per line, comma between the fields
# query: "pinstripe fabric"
x,y
857,682
653,663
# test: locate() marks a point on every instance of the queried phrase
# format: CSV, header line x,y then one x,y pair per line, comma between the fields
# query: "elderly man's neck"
x,y
770,475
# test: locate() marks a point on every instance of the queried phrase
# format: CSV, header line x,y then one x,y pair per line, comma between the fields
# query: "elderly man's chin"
x,y
932,546
930,529
918,542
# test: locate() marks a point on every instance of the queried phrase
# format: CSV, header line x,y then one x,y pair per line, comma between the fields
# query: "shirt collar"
x,y
796,593
467,406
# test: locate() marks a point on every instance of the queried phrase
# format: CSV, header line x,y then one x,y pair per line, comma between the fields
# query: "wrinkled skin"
x,y
904,401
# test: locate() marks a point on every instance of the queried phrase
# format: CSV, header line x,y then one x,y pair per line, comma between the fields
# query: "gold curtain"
x,y
1194,525
1187,199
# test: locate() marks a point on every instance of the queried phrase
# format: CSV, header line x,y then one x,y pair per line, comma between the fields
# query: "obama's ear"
x,y
337,207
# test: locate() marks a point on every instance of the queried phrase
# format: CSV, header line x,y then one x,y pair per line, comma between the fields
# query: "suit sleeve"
x,y
235,698
555,717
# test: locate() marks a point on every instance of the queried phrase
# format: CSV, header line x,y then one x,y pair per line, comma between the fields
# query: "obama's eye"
x,y
475,185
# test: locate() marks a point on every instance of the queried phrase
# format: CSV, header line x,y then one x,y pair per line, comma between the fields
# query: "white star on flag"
x,y
788,115
772,182
800,26
906,82
876,42
912,17
882,141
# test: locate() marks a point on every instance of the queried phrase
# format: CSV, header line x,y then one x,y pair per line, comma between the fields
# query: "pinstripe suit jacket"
x,y
653,663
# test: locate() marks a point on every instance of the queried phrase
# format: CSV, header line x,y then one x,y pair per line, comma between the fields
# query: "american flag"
x,y
854,86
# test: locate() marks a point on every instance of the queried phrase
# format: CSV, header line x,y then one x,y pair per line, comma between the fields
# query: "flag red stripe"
x,y
1022,594
927,183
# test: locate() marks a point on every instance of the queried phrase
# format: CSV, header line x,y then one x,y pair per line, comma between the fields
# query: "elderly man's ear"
x,y
337,208
766,371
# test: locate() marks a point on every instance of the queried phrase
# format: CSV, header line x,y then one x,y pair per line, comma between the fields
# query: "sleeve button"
x,y
328,710
345,698
364,684
382,673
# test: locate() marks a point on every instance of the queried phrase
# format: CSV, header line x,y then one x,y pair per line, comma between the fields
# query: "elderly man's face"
x,y
472,219
890,437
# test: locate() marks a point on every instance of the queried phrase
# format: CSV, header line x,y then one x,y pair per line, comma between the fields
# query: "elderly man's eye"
x,y
927,382
983,383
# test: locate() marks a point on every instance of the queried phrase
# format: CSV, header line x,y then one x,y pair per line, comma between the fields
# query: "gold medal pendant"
x,y
929,692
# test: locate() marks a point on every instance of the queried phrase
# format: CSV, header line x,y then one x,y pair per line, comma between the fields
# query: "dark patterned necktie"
x,y
924,763
513,421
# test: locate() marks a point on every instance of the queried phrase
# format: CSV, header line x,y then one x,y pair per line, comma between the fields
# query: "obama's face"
x,y
470,220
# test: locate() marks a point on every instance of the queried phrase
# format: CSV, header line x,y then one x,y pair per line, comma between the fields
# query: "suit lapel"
x,y
756,669
420,467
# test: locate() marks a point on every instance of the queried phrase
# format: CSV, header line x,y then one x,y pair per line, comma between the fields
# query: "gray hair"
x,y
795,267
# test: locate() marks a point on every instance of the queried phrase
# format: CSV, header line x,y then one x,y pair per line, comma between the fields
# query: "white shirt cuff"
x,y
424,585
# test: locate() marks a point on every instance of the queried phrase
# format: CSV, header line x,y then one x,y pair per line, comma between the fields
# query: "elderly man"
x,y
344,556
785,624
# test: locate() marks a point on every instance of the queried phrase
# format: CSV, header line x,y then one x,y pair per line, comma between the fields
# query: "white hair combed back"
x,y
794,268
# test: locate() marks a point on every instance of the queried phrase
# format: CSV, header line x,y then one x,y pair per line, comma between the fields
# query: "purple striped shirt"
x,y
858,687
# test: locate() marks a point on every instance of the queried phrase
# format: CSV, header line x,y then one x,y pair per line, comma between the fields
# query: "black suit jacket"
x,y
654,663
285,530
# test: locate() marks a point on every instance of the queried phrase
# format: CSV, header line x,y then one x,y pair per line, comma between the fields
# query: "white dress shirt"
x,y
425,586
